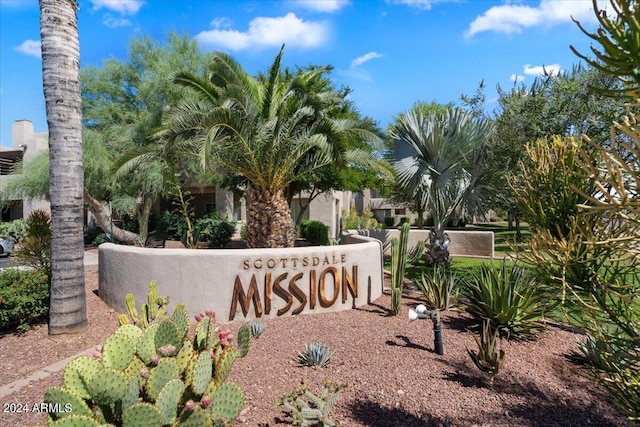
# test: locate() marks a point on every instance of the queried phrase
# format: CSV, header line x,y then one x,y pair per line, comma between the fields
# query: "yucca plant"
x,y
489,359
508,298
440,288
315,354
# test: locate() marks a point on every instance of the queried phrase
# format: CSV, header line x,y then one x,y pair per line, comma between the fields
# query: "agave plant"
x,y
488,358
315,354
440,288
257,328
508,298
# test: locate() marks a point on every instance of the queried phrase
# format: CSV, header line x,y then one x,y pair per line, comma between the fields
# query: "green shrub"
x,y
16,229
90,235
24,298
214,229
34,250
365,221
316,232
389,221
173,224
507,298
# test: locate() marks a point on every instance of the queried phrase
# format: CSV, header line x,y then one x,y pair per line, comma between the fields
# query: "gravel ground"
x,y
393,376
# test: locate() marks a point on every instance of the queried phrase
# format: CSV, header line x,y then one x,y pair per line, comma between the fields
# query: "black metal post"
x,y
437,338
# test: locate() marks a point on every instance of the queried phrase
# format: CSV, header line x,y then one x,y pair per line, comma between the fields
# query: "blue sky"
x,y
390,53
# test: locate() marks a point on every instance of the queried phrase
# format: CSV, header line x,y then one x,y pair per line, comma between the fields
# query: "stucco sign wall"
x,y
245,284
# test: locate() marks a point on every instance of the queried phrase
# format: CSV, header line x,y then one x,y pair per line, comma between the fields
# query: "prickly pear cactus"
x,y
152,372
153,311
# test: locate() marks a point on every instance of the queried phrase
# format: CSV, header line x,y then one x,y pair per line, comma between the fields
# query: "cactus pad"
x,y
224,364
183,356
142,415
133,370
147,343
166,370
168,400
204,328
196,418
130,331
117,352
78,373
61,397
202,372
76,421
168,334
133,393
244,340
181,319
227,402
108,386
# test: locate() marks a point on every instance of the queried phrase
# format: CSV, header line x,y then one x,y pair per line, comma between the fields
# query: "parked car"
x,y
6,245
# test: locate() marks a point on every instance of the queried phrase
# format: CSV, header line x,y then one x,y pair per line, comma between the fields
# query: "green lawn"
x,y
503,237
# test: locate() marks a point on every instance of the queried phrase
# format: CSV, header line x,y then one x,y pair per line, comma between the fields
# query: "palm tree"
x,y
61,83
445,170
269,130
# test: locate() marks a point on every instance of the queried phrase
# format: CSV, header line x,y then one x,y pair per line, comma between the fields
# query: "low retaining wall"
x,y
246,284
463,242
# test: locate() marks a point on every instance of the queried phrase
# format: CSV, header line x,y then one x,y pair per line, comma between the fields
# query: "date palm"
x,y
269,130
445,169
61,83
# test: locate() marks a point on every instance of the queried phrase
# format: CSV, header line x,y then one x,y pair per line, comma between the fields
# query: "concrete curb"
x,y
17,385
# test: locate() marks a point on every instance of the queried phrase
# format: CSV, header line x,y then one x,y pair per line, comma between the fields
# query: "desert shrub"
x,y
16,229
508,298
215,229
34,250
389,221
405,219
365,221
24,298
316,232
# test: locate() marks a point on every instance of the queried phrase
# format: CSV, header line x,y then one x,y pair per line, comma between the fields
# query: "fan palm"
x,y
445,170
269,130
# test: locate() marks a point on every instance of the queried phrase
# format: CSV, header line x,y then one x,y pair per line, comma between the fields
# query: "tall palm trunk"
x,y
269,222
61,83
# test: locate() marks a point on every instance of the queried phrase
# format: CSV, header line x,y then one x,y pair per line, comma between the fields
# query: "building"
x,y
25,145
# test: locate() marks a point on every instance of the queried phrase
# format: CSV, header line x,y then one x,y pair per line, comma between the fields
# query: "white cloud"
x,y
364,58
516,78
512,18
125,7
327,6
540,70
112,22
420,4
29,47
221,22
269,32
